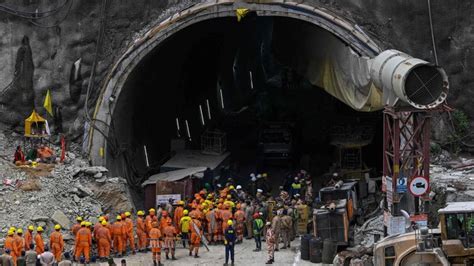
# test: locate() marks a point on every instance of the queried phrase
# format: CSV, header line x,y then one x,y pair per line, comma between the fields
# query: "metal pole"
x,y
146,156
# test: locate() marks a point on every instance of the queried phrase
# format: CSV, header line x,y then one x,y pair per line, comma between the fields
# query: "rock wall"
x,y
37,58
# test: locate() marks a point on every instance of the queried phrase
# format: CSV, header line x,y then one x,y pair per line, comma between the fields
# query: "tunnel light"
x,y
208,109
187,130
177,127
202,115
112,98
222,99
251,80
146,156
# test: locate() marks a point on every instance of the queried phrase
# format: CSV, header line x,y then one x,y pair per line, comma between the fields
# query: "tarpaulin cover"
x,y
40,123
329,63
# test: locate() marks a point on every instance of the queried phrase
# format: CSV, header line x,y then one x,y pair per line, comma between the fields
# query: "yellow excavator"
x,y
452,243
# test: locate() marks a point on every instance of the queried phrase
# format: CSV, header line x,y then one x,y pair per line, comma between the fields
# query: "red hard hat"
x,y
256,215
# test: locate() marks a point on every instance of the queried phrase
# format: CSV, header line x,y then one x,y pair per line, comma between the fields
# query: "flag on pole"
x,y
48,104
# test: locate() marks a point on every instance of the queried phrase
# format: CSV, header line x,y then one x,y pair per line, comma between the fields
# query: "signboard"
x,y
389,186
421,220
396,225
402,184
418,186
163,199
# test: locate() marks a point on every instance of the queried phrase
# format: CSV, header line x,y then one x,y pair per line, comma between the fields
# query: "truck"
x,y
452,243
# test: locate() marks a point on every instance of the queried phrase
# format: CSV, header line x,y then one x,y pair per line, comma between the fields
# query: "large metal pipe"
x,y
409,81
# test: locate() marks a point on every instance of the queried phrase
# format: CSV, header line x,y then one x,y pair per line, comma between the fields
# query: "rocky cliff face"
x,y
36,57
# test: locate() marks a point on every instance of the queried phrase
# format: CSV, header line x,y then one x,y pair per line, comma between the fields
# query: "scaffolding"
x,y
213,142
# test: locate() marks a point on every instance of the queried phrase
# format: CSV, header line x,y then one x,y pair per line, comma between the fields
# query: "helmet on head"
x,y
140,213
127,214
88,224
264,175
119,218
185,212
229,222
231,187
151,210
39,229
12,228
229,196
57,227
180,202
239,187
83,223
101,218
79,218
256,215
10,232
31,228
104,222
19,231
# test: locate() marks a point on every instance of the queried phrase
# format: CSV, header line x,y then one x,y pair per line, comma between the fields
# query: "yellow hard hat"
x,y
180,202
119,218
140,213
88,224
57,227
230,222
39,229
229,196
231,187
104,222
31,228
101,218
128,214
151,210
185,212
83,223
19,231
12,228
10,232
264,175
79,218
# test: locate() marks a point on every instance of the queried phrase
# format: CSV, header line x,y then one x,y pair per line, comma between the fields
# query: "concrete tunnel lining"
x,y
142,47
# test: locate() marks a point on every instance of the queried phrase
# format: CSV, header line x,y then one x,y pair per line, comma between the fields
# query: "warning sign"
x,y
418,186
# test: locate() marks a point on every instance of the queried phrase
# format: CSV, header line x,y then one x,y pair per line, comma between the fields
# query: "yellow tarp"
x,y
241,13
38,122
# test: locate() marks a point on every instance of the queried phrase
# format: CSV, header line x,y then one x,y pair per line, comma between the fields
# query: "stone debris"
x,y
56,196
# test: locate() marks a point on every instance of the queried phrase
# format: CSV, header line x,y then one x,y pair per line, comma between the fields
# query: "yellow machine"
x,y
450,244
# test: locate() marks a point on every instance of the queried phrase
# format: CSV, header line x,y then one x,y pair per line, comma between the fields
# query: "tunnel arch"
x,y
113,86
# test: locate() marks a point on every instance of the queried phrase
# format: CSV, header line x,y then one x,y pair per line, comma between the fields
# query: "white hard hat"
x,y
269,223
259,190
252,175
254,179
259,176
239,187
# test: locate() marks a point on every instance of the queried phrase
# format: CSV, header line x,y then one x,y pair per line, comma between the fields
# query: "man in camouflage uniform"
x,y
271,243
286,228
276,226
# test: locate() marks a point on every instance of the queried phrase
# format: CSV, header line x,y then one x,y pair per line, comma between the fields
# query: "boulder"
x,y
61,219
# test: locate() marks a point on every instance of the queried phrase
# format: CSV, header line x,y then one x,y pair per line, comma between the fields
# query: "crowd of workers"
x,y
223,215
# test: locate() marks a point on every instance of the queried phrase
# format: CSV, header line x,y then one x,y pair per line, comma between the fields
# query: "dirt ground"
x,y
244,255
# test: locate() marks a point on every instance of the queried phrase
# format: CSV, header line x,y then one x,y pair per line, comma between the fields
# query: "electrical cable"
x,y
432,33
33,15
55,24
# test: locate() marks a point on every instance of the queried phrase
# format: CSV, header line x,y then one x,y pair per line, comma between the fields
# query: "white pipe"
x,y
222,99
202,115
146,156
208,109
251,80
187,129
177,126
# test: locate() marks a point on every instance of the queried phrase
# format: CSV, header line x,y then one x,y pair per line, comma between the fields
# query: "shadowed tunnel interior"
x,y
253,64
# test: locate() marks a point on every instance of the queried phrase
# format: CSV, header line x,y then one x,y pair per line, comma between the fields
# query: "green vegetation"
x,y
461,129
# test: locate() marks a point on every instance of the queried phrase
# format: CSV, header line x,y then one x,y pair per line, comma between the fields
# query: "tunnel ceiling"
x,y
170,53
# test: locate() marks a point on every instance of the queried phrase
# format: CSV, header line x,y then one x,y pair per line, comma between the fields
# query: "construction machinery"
x,y
450,244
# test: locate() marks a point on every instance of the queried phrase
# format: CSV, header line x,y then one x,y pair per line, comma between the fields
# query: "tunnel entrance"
x,y
238,78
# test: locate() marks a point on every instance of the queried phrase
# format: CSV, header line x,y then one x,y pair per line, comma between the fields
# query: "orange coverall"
x,y
225,215
28,239
130,237
119,232
10,244
83,243
239,216
19,245
141,233
169,233
164,222
178,214
195,238
155,244
39,243
56,244
104,240
75,228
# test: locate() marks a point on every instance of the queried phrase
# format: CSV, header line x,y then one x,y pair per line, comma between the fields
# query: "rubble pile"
x,y
53,197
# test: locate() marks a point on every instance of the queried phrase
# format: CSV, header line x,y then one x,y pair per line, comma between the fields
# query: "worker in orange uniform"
x,y
155,243
149,220
129,227
56,242
169,233
239,216
211,226
164,220
141,231
178,213
218,231
196,236
83,242
39,242
10,243
104,240
29,237
97,226
19,243
119,232
75,228
226,215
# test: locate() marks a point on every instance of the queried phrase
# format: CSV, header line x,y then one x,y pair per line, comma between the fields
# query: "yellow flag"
x,y
241,12
48,104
